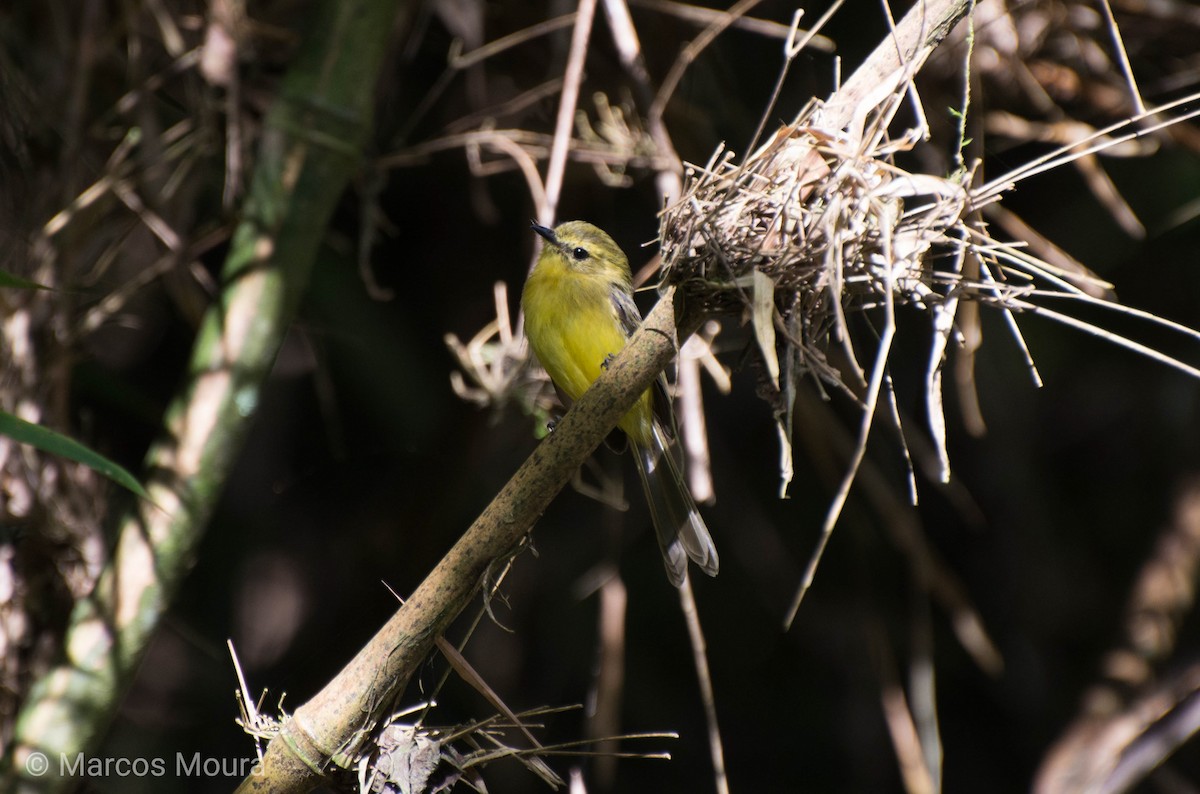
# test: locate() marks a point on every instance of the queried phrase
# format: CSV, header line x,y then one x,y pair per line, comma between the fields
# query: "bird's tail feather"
x,y
677,523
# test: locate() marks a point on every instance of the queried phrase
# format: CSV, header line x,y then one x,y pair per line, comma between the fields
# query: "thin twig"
x,y
692,51
716,750
564,123
701,15
1135,95
860,450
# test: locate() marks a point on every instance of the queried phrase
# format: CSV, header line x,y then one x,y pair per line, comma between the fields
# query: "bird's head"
x,y
582,247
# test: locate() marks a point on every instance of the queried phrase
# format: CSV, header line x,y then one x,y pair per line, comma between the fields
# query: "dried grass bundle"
x,y
818,220
819,224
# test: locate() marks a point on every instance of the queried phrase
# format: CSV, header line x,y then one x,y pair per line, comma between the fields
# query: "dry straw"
x,y
821,225
818,236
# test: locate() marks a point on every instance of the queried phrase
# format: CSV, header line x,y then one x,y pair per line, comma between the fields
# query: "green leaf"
x,y
9,280
57,444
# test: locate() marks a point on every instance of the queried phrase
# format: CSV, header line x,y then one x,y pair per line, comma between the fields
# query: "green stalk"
x,y
310,147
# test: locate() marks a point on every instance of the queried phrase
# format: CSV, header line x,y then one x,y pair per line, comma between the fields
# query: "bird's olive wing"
x,y
626,310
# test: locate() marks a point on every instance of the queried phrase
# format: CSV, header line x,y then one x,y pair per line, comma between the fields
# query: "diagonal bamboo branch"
x,y
328,729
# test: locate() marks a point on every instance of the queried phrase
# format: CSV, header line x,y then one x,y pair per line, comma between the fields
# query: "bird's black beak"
x,y
544,231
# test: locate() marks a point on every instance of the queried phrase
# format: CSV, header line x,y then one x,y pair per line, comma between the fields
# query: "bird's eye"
x,y
580,254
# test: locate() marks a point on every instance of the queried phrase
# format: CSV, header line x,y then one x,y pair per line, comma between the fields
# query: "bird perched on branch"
x,y
579,312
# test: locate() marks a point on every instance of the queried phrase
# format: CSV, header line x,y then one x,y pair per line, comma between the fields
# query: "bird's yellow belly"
x,y
573,340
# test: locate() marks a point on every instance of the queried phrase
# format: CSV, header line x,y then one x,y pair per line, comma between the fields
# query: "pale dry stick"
x,y
1027,266
1010,303
1067,134
921,29
922,692
834,264
149,218
372,218
629,47
458,663
219,67
1135,94
1009,300
793,45
990,283
702,15
559,749
692,51
687,600
943,326
1130,311
572,77
903,529
569,100
1102,188
871,400
525,162
117,169
1075,272
538,144
943,315
901,724
468,673
508,107
116,299
172,39
128,101
905,740
670,187
970,328
609,679
691,417
459,60
1120,341
493,366
94,192
252,720
921,129
897,424
1066,154
1063,132
233,145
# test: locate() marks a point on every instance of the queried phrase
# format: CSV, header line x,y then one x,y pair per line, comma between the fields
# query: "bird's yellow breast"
x,y
573,328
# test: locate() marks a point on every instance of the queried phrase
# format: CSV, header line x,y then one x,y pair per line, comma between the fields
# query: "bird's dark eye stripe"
x,y
580,253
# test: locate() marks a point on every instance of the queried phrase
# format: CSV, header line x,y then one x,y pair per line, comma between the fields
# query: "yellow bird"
x,y
579,312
